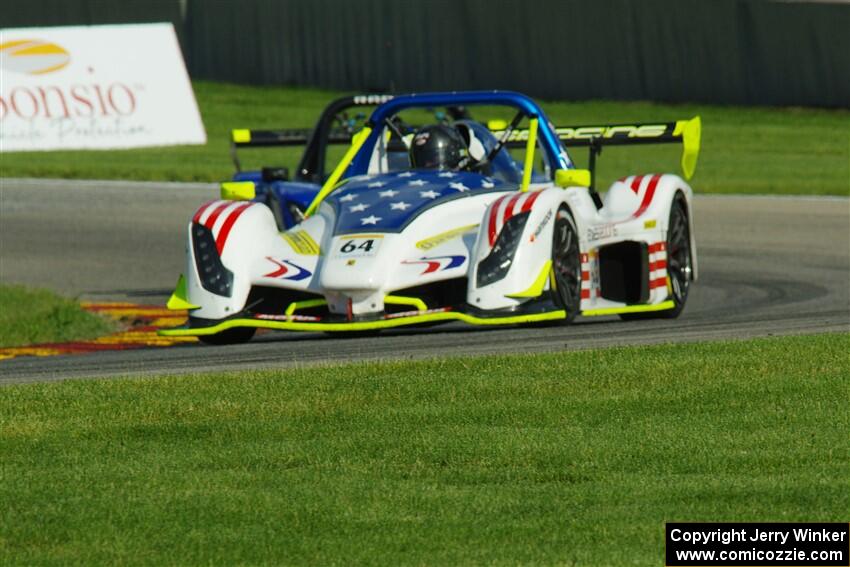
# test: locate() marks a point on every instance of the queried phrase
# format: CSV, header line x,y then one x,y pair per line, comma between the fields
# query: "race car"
x,y
445,222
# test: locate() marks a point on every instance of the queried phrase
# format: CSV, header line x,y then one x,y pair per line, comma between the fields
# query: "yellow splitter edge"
x,y
363,325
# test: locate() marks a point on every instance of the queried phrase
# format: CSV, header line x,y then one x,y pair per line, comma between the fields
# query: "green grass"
x,y
30,316
744,150
570,458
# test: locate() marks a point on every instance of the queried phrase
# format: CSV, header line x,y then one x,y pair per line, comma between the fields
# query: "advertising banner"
x,y
95,87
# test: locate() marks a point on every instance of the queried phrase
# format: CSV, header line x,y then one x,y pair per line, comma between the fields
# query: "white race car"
x,y
447,223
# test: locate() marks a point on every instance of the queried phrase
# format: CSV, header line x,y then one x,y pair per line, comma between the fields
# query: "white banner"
x,y
95,87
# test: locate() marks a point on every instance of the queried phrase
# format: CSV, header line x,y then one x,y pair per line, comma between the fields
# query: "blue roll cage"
x,y
549,142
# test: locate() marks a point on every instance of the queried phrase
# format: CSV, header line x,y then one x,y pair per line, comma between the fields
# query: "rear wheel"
x,y
679,262
229,337
566,264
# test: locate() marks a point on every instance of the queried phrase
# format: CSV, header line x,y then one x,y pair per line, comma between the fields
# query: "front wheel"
x,y
679,262
566,264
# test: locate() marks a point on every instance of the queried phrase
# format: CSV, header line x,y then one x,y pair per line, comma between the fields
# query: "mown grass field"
x,y
745,149
572,458
30,316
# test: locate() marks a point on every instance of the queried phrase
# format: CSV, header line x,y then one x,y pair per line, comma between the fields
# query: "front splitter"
x,y
389,323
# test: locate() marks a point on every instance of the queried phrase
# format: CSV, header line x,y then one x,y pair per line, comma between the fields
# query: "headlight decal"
x,y
498,262
215,278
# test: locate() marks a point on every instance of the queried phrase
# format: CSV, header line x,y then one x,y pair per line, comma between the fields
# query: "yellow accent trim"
x,y
360,235
649,224
400,300
238,190
306,304
537,286
572,178
529,154
365,325
497,125
241,136
663,306
690,130
301,242
179,299
357,142
443,237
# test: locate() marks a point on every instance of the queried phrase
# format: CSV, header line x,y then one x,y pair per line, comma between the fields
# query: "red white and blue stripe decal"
x,y
219,217
438,263
287,270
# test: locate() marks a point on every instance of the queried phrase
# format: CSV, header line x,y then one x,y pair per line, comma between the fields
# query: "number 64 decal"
x,y
358,246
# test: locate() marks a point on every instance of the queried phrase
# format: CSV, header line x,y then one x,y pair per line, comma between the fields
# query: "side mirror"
x,y
572,178
238,190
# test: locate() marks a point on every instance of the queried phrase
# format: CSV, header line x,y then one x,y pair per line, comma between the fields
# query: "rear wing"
x,y
685,132
245,138
290,137
312,160
334,127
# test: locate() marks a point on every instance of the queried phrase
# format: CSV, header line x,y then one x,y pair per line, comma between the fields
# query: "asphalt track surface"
x,y
768,266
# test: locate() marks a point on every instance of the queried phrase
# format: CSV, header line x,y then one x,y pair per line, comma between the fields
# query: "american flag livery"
x,y
219,217
388,203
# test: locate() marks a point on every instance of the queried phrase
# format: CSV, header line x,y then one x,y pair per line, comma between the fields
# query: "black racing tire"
x,y
229,337
353,334
679,262
566,264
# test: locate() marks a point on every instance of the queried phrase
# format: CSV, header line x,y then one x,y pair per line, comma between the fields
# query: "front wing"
x,y
297,323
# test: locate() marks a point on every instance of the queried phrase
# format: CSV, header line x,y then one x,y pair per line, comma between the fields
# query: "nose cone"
x,y
358,262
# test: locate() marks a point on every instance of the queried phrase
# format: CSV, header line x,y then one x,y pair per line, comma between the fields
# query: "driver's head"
x,y
438,147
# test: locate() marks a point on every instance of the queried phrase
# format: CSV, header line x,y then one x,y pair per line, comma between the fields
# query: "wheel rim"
x,y
566,262
679,253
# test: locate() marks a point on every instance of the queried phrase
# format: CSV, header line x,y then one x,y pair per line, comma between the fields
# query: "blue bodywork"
x,y
281,196
288,198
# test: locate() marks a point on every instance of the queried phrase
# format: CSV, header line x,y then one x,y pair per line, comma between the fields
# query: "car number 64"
x,y
358,246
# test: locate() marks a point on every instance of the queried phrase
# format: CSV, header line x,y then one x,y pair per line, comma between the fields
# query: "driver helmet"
x,y
438,146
